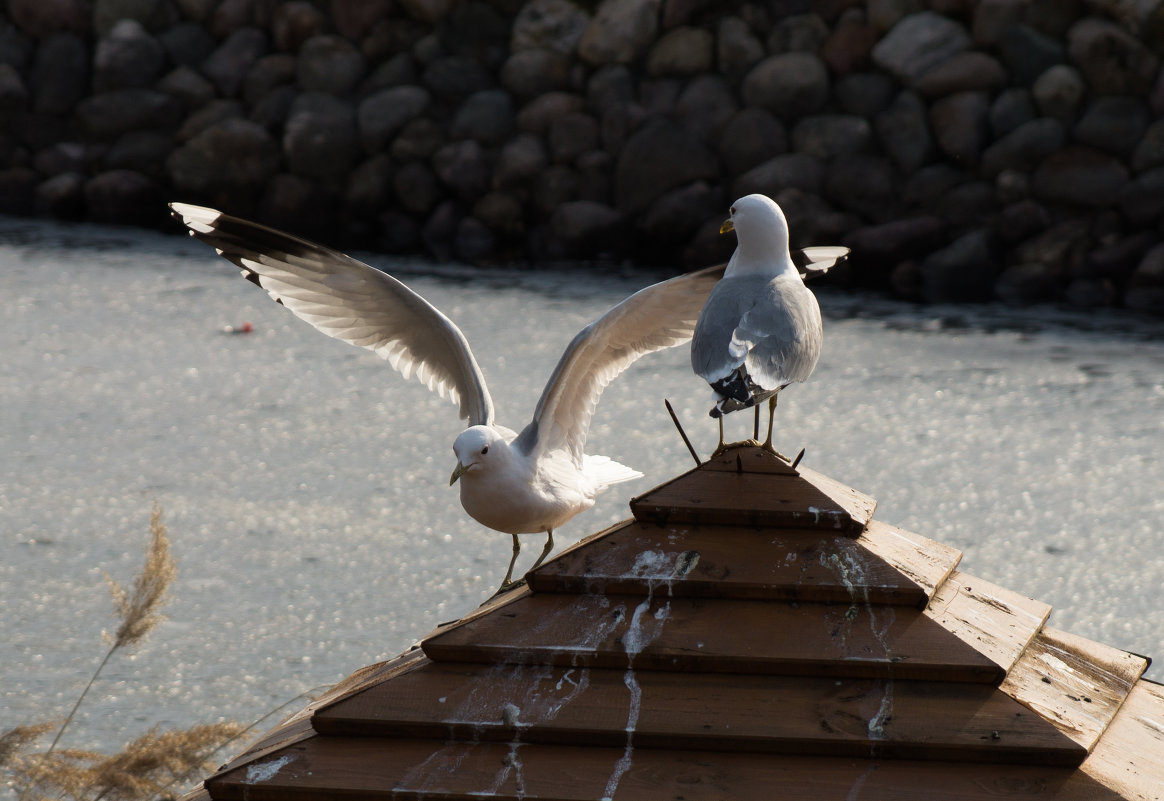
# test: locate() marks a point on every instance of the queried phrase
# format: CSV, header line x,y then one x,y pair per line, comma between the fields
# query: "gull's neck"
x,y
761,255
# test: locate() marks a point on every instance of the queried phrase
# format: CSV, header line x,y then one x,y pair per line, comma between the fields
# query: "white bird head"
x,y
475,448
759,224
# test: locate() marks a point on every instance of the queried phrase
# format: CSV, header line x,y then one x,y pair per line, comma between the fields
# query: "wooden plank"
x,y
363,769
715,712
748,459
1129,757
925,562
996,622
729,562
756,499
1077,685
662,633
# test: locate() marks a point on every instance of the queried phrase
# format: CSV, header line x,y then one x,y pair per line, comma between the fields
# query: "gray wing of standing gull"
x,y
737,327
659,316
351,301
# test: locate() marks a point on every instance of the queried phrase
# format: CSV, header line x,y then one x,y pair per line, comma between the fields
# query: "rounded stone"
x,y
1114,125
827,136
109,115
1113,61
124,197
789,85
751,137
1028,53
234,153
59,76
329,63
571,135
619,32
294,23
904,132
1059,92
464,168
536,116
383,115
918,43
228,65
531,73
682,51
1025,147
419,139
485,116
62,196
656,158
521,160
965,72
555,25
788,170
960,127
1011,108
1149,151
417,188
320,138
737,47
128,57
1082,177
865,94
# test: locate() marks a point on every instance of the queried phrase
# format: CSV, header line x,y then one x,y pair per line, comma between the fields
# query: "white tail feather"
x,y
606,471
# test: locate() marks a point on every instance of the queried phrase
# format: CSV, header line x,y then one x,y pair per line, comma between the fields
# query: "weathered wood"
x,y
925,562
774,714
661,633
996,622
1077,685
360,768
730,562
719,497
748,459
1129,757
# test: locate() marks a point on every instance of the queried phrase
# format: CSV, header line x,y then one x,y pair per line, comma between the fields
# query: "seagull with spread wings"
x,y
518,483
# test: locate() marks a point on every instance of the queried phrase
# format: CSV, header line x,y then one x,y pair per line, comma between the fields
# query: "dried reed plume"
x,y
139,613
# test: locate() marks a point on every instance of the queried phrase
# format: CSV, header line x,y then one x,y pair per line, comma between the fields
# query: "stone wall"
x,y
965,149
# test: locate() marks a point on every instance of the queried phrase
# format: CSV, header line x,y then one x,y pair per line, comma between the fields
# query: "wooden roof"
x,y
752,633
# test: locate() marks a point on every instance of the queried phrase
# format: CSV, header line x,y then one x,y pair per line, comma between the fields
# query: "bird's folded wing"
x,y
814,261
351,301
659,316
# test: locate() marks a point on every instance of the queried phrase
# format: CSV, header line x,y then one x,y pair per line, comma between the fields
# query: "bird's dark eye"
x,y
733,210
485,450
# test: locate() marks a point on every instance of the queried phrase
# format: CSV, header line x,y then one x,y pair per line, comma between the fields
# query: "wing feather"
x,y
660,316
351,301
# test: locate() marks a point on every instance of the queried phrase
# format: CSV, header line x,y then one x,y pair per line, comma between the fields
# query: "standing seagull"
x,y
524,483
761,328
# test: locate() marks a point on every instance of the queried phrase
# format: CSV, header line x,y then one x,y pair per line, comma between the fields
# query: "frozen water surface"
x,y
305,484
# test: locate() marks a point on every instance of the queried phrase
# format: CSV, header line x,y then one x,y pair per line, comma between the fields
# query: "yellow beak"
x,y
458,471
727,226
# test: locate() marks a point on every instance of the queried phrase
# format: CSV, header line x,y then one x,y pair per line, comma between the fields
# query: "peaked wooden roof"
x,y
751,633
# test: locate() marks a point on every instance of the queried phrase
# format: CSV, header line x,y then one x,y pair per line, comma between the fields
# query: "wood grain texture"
x,y
659,632
1129,757
736,562
715,712
926,563
997,623
364,769
1077,685
718,497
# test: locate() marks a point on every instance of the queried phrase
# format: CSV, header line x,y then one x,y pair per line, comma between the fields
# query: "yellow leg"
x,y
546,550
771,414
508,580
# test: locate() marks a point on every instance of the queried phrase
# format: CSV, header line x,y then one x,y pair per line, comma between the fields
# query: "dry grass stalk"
x,y
17,740
146,768
139,613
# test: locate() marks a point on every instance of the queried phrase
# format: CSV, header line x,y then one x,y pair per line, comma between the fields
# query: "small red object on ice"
x,y
245,328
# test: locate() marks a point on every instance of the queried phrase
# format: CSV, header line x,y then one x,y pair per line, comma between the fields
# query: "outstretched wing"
x,y
349,300
659,316
815,261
